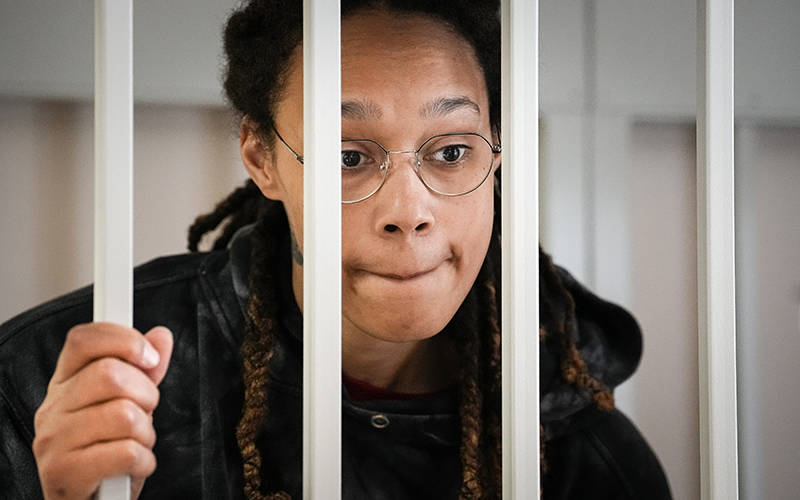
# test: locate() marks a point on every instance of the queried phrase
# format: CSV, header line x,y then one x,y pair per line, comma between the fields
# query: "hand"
x,y
96,421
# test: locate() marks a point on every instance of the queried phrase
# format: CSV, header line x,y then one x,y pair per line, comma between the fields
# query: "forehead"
x,y
397,68
384,52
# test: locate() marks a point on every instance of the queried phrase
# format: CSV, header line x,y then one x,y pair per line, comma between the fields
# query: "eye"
x,y
351,158
451,153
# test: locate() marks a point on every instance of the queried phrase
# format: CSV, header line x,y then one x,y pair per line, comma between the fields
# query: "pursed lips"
x,y
404,275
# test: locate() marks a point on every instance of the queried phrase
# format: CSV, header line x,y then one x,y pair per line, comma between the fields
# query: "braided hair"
x,y
259,41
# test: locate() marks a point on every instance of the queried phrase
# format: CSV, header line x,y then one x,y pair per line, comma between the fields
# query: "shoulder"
x,y
604,457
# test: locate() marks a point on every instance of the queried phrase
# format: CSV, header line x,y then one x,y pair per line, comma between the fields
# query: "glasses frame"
x,y
497,148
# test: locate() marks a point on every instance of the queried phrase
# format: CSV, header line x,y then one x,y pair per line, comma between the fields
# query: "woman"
x,y
220,387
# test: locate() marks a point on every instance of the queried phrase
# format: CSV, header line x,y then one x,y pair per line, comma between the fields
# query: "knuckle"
x,y
146,464
40,416
130,454
149,439
77,337
43,440
40,445
109,373
126,413
151,464
153,395
46,469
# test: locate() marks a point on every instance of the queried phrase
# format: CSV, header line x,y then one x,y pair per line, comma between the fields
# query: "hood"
x,y
609,341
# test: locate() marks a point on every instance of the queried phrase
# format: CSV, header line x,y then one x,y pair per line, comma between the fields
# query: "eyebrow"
x,y
365,110
445,105
360,110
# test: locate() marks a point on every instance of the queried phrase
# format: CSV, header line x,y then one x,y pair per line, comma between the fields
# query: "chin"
x,y
394,325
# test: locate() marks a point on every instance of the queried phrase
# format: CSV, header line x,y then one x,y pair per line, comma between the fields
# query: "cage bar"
x,y
322,316
520,230
113,158
715,239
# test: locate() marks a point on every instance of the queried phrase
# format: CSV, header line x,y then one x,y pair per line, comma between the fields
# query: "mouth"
x,y
400,273
405,276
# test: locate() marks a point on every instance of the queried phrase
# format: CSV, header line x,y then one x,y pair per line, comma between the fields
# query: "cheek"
x,y
472,230
357,233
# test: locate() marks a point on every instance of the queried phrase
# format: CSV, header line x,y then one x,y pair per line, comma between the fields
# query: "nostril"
x,y
390,228
422,226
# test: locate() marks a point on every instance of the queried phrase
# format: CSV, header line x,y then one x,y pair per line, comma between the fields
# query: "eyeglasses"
x,y
448,164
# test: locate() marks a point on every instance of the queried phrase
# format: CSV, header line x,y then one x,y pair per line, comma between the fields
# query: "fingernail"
x,y
150,356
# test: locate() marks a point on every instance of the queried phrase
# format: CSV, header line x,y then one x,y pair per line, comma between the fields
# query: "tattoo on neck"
x,y
297,256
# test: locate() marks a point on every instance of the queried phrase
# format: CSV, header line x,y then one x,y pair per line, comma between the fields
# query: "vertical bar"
x,y
113,152
520,309
322,362
716,284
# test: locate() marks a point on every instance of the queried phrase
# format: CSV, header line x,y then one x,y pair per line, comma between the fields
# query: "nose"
x,y
404,201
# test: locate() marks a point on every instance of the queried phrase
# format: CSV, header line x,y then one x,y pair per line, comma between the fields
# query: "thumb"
x,y
161,339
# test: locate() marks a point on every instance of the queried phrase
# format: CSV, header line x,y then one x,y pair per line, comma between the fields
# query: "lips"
x,y
405,276
400,272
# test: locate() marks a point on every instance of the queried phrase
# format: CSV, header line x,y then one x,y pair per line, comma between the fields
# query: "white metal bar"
x,y
520,187
113,152
716,269
322,317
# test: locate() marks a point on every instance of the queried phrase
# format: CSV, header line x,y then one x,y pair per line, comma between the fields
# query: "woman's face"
x,y
409,255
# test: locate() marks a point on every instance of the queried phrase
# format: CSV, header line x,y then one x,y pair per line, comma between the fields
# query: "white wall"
x,y
185,160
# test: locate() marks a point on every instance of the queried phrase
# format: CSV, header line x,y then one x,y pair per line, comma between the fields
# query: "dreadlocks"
x,y
259,42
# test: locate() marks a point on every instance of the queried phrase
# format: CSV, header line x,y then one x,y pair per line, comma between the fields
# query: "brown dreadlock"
x,y
259,41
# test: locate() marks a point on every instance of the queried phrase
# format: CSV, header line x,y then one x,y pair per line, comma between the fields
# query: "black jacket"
x,y
200,297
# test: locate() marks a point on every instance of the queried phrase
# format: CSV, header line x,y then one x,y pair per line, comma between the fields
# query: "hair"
x,y
259,40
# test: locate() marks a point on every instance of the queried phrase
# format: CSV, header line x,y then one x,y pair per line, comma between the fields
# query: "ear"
x,y
497,140
258,159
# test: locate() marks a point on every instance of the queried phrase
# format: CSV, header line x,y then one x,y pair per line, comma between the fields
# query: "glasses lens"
x,y
362,172
455,164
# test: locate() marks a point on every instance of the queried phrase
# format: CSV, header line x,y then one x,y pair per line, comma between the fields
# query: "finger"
x,y
120,419
161,340
91,341
106,379
114,420
77,474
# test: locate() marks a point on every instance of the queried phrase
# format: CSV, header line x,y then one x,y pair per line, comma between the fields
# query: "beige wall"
x,y
664,299
776,336
185,159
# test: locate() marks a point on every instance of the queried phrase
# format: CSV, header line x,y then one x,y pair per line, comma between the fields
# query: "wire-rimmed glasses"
x,y
448,164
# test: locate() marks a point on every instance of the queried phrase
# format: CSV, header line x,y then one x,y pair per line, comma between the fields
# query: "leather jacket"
x,y
200,297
